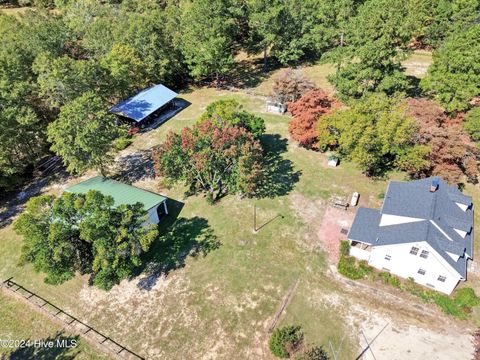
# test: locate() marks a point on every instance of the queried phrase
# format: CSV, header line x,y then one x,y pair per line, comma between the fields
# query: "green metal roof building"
x,y
124,194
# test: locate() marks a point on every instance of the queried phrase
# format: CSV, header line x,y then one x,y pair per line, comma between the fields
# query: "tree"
x,y
84,233
207,35
290,30
231,112
452,155
124,70
63,79
48,247
153,33
290,85
306,113
376,43
83,134
212,157
432,21
472,124
453,79
374,132
285,341
22,133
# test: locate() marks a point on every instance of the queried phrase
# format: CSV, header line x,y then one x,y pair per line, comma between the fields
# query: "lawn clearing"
x,y
418,63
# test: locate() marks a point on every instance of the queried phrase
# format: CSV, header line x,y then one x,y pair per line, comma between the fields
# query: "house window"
x,y
421,271
442,278
414,250
430,285
424,254
388,257
385,269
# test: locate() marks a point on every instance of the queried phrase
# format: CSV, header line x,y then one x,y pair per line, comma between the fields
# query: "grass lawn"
x,y
19,322
224,283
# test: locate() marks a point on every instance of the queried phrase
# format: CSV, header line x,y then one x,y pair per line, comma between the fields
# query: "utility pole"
x,y
254,217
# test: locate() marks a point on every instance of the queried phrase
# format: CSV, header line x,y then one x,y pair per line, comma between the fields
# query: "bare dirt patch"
x,y
325,223
330,233
403,336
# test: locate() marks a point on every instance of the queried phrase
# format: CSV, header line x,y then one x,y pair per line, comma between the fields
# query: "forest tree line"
x,y
63,62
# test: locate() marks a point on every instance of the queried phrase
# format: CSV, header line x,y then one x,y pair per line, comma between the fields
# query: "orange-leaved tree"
x,y
306,112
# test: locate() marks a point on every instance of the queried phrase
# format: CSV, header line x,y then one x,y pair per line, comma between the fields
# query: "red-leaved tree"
x,y
306,112
290,85
213,157
453,154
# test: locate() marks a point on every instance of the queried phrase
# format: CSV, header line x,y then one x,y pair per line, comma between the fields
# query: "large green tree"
x,y
63,79
84,133
212,157
472,123
453,79
207,37
124,70
375,133
231,112
84,233
292,31
376,40
432,21
22,133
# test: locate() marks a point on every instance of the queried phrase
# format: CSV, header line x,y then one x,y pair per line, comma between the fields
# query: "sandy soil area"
x,y
400,340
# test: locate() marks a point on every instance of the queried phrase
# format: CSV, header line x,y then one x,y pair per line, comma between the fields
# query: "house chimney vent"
x,y
434,185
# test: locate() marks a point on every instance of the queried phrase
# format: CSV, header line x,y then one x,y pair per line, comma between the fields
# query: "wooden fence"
x,y
83,329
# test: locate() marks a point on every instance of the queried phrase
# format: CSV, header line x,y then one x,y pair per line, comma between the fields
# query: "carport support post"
x,y
165,207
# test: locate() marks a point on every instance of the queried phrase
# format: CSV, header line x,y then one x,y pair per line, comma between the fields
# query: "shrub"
x,y
314,353
348,265
389,279
466,297
133,130
284,341
122,143
344,248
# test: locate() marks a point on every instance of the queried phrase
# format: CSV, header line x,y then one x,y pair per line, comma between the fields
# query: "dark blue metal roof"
x,y
144,103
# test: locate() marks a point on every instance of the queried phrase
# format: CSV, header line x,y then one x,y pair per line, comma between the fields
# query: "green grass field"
x,y
19,322
224,288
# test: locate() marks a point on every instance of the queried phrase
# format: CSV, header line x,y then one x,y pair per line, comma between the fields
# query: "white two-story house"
x,y
423,231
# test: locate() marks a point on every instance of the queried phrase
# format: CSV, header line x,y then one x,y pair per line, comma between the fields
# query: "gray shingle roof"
x,y
439,213
365,225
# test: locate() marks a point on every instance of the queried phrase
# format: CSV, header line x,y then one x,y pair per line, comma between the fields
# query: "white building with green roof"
x,y
123,194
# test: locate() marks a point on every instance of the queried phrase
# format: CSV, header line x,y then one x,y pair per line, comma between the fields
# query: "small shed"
x,y
332,161
124,194
147,105
275,106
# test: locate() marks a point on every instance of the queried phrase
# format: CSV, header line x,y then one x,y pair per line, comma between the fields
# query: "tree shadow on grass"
x,y
179,238
414,89
279,176
63,347
135,167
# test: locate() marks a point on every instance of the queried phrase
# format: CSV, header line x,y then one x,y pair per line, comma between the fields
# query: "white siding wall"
x,y
359,253
153,215
405,265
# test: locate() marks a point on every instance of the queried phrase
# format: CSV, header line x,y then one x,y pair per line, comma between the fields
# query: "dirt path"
x,y
406,329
